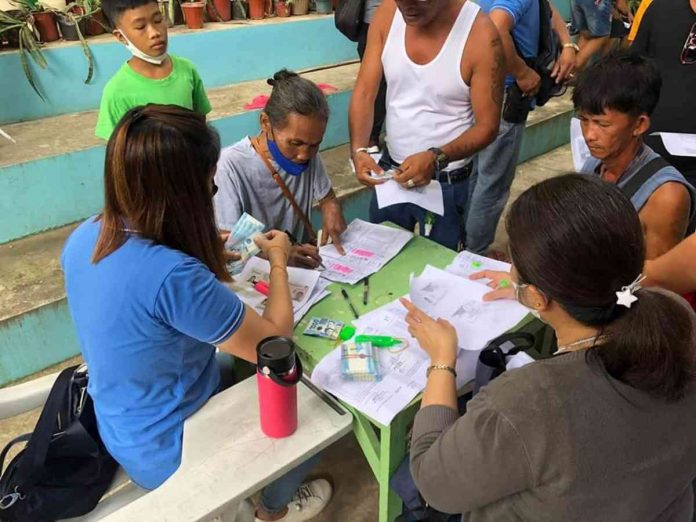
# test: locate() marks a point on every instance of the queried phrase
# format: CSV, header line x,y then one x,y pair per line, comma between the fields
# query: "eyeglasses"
x,y
518,287
688,54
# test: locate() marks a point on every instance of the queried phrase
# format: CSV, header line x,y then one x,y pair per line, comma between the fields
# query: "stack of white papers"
x,y
440,294
305,288
368,248
467,263
460,301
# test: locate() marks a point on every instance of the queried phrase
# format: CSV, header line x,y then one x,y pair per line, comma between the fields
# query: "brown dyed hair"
x,y
160,161
579,241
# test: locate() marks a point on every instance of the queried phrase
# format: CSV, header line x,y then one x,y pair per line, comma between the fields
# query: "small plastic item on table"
x,y
359,362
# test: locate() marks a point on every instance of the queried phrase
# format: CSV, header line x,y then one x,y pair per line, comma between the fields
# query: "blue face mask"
x,y
289,166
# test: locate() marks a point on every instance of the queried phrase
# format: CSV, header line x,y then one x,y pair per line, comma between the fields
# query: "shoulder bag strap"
x,y
37,448
644,174
255,142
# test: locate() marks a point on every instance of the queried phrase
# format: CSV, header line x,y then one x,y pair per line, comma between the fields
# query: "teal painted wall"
x,y
52,192
563,7
235,53
36,341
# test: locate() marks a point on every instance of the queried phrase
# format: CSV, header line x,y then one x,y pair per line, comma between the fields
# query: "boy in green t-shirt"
x,y
151,75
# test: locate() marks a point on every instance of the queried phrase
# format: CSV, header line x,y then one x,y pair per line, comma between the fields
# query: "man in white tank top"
x,y
443,63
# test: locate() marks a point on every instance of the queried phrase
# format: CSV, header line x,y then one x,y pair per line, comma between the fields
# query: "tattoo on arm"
x,y
497,70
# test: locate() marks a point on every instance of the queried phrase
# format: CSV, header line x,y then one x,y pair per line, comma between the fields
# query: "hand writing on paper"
x,y
228,254
437,338
500,282
418,168
333,224
365,165
304,256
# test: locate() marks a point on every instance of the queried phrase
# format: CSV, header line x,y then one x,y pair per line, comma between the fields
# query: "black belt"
x,y
454,176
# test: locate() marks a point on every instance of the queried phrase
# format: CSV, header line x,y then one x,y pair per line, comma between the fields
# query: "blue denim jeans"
x,y
448,230
489,185
590,17
275,496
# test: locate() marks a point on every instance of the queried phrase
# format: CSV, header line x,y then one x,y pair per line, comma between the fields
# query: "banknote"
x,y
241,241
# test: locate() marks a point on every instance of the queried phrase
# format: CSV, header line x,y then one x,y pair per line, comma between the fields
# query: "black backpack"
x,y
549,51
349,18
493,359
64,469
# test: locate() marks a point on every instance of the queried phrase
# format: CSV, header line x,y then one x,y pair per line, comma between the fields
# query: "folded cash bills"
x,y
241,241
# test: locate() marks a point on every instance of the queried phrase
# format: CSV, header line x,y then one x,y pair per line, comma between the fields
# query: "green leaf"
x,y
26,67
88,54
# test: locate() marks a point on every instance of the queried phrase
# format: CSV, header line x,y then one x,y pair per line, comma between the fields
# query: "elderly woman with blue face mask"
x,y
278,175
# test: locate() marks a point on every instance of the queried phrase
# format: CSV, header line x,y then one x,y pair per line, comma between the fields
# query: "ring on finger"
x,y
410,183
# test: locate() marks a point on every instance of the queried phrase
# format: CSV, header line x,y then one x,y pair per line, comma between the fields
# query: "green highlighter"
x,y
379,341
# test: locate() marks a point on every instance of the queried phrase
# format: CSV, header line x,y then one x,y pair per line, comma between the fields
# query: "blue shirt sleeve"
x,y
192,301
516,8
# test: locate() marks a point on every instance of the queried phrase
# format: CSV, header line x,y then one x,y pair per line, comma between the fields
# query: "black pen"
x,y
352,308
295,242
366,289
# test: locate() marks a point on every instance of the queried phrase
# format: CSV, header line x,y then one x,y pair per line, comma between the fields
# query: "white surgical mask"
x,y
155,60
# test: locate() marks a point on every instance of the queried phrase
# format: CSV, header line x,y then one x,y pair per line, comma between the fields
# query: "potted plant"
x,y
283,8
258,9
43,19
324,6
193,14
300,7
239,11
96,21
17,27
72,22
219,10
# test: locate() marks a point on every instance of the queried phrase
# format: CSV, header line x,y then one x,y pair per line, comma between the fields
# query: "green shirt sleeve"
x,y
201,104
109,115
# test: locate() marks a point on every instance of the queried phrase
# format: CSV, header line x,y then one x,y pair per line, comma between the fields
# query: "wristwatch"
x,y
441,159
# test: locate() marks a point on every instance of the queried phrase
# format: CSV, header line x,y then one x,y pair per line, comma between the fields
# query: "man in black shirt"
x,y
667,34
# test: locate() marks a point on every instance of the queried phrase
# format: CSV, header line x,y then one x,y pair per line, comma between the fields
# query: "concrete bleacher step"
x,y
36,330
69,133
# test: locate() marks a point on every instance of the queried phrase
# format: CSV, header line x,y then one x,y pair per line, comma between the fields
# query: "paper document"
x,y
428,196
467,263
368,248
443,295
577,145
679,144
303,286
403,368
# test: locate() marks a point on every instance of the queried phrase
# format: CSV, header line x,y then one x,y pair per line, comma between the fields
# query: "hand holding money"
x,y
241,241
275,245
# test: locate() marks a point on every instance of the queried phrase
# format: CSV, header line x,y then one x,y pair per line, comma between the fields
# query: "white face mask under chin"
x,y
155,60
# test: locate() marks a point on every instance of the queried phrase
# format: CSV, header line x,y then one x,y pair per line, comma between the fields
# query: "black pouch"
x,y
517,105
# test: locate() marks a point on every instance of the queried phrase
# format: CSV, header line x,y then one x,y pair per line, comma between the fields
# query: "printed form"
x,y
368,248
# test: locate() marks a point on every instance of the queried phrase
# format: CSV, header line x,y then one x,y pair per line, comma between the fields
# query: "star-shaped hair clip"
x,y
625,297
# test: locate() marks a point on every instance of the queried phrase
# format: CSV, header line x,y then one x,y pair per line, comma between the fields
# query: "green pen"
x,y
379,341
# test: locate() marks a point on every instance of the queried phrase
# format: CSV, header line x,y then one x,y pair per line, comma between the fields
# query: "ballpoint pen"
x,y
352,308
295,242
366,289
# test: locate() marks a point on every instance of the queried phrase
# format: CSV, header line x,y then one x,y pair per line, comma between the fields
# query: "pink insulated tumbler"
x,y
277,374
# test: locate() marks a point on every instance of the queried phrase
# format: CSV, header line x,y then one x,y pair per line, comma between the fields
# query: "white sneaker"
x,y
309,500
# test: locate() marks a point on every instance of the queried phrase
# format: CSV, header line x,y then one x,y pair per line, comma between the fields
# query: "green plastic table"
x,y
384,446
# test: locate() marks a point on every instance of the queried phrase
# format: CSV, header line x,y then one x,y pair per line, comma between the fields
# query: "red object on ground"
x,y
259,102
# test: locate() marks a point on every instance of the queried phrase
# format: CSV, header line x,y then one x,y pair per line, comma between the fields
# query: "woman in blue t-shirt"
x,y
145,281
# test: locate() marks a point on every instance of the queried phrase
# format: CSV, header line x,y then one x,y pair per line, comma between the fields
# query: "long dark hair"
x,y
579,241
157,181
